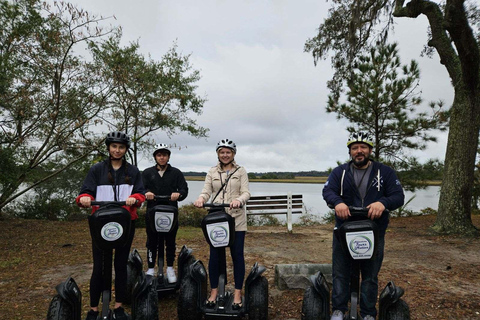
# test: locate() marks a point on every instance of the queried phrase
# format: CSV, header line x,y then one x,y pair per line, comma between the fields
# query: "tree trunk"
x,y
455,203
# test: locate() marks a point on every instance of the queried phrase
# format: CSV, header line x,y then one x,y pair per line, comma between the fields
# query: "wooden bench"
x,y
277,204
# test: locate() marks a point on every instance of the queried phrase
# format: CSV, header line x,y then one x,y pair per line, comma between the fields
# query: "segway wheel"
x,y
59,309
312,305
132,277
147,305
398,311
258,299
187,300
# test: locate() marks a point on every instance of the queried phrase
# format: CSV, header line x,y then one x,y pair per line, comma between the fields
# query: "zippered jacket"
x,y
98,187
236,189
383,186
172,181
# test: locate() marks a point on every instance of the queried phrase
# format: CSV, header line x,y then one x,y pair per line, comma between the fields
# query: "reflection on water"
x,y
312,195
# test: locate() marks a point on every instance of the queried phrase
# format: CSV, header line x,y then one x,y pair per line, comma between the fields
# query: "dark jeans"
x,y
157,241
120,264
218,262
341,268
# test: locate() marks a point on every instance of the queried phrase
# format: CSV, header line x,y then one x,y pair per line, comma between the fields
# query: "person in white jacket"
x,y
227,182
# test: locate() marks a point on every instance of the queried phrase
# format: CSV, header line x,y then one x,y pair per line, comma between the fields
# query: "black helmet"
x,y
225,143
119,137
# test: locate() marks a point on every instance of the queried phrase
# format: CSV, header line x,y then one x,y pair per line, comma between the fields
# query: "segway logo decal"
x,y
163,221
112,231
218,234
360,244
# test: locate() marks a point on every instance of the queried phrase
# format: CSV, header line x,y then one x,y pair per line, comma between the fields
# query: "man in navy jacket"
x,y
361,182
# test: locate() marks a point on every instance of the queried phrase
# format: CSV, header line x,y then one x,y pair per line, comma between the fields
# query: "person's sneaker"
x,y
368,317
150,272
120,314
337,315
92,315
171,275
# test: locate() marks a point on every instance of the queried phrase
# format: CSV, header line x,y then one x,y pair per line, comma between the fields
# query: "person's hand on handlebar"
x,y
174,196
342,211
375,210
199,202
130,201
86,202
149,195
235,204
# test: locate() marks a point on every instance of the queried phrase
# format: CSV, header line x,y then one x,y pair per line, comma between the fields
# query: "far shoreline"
x,y
313,180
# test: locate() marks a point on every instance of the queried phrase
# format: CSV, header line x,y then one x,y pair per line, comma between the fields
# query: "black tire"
x,y
59,309
187,300
147,305
258,299
187,264
132,277
398,311
312,306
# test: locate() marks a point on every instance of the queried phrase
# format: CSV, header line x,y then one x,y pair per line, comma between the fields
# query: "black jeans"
x,y
157,241
120,264
218,264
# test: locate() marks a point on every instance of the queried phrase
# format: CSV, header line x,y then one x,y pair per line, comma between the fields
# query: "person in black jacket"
x,y
361,182
163,179
112,180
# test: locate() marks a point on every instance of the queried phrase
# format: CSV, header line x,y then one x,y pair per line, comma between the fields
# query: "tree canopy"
x,y
56,105
353,27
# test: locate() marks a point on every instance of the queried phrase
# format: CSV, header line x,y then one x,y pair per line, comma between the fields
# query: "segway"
x,y
109,227
161,219
219,229
358,237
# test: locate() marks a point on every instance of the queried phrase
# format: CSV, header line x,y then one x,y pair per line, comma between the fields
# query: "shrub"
x,y
189,215
263,220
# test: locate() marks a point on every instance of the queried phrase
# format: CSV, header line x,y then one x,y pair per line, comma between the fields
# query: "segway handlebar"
x,y
161,197
357,211
104,203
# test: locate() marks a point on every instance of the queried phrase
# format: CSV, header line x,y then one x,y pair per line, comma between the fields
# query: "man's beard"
x,y
361,163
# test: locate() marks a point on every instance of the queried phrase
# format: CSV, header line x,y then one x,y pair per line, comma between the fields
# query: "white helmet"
x,y
225,143
161,146
360,136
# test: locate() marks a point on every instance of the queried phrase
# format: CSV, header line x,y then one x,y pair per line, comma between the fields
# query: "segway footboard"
x,y
67,304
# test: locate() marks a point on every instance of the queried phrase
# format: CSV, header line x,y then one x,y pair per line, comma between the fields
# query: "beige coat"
x,y
236,189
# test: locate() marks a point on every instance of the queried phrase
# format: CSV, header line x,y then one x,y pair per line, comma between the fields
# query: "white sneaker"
x,y
337,315
368,317
171,275
150,272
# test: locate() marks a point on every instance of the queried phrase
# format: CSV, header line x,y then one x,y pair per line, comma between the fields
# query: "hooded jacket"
x,y
236,189
383,186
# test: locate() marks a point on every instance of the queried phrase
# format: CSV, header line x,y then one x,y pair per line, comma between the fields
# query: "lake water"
x,y
312,195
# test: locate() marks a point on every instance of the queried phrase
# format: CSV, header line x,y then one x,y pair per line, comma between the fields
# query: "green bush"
x,y
189,215
263,220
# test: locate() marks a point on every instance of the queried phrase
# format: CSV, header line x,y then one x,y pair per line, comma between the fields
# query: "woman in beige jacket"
x,y
227,182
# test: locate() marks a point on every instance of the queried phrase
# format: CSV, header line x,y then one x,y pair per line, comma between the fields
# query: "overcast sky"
x,y
263,90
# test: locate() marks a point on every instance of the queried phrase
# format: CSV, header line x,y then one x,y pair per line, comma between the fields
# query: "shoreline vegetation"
x,y
320,180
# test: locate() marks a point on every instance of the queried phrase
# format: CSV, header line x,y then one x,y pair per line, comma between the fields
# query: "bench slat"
x,y
257,213
268,207
294,196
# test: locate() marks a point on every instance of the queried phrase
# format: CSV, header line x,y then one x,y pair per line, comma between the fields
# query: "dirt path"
x,y
439,274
